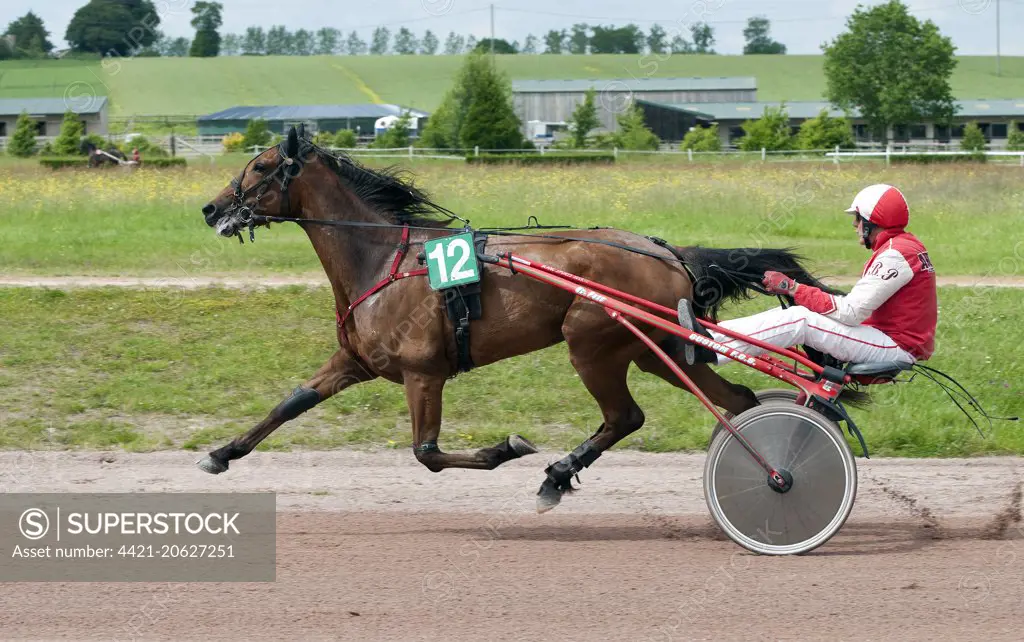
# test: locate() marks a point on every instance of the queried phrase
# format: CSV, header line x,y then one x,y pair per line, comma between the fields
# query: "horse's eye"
x,y
258,167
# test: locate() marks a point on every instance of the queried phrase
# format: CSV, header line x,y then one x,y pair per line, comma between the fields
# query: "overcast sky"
x,y
802,25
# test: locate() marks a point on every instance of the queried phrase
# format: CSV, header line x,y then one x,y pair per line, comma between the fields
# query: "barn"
x,y
48,114
316,118
544,105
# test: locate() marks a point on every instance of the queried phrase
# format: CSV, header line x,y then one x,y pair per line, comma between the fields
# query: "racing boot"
x,y
692,352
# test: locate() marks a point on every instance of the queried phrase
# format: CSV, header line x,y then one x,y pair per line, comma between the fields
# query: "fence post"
x,y
542,147
410,151
764,154
888,150
1022,159
476,150
615,152
835,159
689,154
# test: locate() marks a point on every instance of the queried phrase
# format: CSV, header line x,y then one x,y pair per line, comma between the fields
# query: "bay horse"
x,y
356,217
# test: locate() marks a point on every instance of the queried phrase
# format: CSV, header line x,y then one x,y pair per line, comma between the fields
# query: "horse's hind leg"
x,y
603,370
341,371
423,392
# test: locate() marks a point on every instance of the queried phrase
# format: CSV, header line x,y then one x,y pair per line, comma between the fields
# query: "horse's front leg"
x,y
341,371
423,393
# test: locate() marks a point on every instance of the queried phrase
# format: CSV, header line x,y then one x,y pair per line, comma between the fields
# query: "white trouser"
x,y
797,325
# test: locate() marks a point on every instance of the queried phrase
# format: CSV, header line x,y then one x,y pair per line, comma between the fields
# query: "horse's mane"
x,y
390,191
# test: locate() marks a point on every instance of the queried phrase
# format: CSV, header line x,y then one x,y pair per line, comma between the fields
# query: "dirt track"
x,y
372,546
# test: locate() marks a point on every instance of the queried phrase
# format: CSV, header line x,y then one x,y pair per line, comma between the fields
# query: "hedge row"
x,y
74,161
541,159
937,158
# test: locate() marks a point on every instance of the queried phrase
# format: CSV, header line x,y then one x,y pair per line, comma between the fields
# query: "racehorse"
x,y
100,157
360,221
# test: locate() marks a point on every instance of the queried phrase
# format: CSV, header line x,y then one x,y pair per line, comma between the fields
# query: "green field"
x,y
149,222
198,86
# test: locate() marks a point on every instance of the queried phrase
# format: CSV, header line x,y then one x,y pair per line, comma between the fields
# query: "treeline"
x,y
132,28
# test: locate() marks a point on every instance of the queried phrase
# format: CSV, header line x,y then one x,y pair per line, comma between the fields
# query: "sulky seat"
x,y
877,371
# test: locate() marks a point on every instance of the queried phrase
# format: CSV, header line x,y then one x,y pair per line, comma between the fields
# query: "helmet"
x,y
882,205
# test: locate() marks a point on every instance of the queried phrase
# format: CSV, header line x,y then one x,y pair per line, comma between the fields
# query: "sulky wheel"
x,y
769,395
800,443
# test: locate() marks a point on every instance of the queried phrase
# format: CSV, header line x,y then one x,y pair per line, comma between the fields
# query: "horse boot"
x,y
560,475
692,352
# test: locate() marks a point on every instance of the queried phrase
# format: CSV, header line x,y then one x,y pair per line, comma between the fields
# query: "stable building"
x,y
316,118
671,121
545,106
48,114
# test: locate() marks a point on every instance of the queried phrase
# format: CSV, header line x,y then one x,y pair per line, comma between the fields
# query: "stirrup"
x,y
691,352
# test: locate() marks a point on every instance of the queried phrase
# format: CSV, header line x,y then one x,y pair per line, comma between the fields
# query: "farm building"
x,y
671,121
48,114
316,118
544,105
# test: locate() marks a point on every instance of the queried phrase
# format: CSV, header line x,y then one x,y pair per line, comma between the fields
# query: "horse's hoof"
x,y
548,496
211,465
521,446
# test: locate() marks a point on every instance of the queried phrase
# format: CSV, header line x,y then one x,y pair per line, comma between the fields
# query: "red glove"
x,y
779,283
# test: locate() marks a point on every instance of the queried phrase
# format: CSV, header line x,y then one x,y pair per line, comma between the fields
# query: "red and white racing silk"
x,y
891,312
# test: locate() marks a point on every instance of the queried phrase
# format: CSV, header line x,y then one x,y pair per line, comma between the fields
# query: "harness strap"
x,y
393,275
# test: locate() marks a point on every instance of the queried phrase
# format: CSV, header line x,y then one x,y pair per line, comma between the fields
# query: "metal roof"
x,y
809,109
52,106
636,84
311,112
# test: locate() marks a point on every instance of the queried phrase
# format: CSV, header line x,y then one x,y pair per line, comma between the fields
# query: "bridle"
x,y
287,170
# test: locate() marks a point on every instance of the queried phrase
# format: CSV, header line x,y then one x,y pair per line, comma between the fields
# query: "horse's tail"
x,y
722,275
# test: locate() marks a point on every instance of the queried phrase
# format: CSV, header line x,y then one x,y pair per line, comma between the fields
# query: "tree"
x,y
31,38
6,53
22,142
825,132
681,45
477,110
758,38
429,44
634,134
395,136
206,21
256,133
405,42
891,67
703,139
501,46
453,44
177,48
579,39
1015,137
529,45
770,131
279,41
471,44
584,119
380,42
113,27
973,139
703,36
254,43
554,41
303,43
328,41
354,45
345,139
657,39
230,44
617,40
69,141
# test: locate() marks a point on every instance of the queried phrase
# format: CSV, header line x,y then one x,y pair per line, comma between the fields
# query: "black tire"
x,y
804,444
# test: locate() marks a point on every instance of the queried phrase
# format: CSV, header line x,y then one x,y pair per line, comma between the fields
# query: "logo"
x,y
33,523
974,7
926,263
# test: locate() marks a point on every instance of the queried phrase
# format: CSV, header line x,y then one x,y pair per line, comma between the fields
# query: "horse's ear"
x,y
302,131
292,147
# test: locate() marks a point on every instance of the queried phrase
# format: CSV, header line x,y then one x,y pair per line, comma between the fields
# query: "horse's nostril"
x,y
209,209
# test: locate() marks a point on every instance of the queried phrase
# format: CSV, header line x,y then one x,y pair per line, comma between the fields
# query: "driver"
x,y
889,315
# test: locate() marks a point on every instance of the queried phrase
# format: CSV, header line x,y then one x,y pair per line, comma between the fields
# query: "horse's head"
x,y
261,189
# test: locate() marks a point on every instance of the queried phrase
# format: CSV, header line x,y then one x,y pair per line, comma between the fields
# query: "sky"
x,y
802,25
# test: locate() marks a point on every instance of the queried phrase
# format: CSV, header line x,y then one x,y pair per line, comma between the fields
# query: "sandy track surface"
x,y
243,282
372,546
